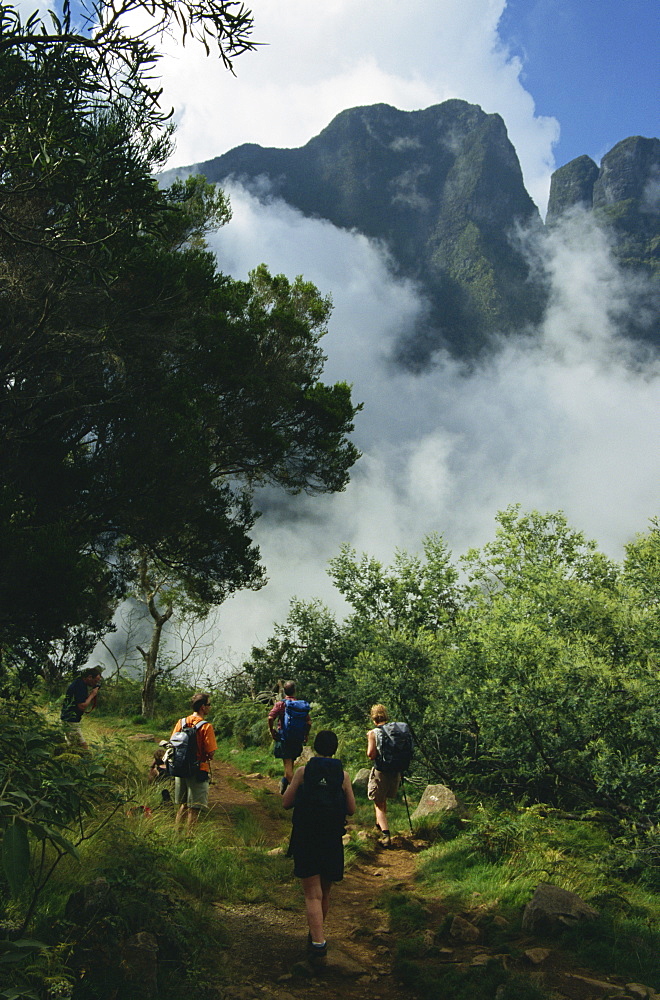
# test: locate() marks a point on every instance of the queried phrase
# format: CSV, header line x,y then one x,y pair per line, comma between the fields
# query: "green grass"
x,y
483,863
494,864
435,981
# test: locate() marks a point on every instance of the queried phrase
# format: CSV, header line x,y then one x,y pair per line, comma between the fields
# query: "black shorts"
x,y
319,856
288,749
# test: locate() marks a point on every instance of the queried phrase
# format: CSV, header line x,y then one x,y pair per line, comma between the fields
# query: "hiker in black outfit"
x,y
79,699
321,796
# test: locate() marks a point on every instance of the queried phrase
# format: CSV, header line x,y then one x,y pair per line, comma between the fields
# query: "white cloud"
x,y
559,420
319,59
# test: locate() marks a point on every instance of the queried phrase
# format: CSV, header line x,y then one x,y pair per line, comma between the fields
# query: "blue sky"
x,y
592,64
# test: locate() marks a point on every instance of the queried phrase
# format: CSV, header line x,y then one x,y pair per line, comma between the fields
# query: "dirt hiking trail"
x,y
266,955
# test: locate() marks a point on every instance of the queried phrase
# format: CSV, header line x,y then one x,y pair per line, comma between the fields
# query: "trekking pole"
x,y
405,799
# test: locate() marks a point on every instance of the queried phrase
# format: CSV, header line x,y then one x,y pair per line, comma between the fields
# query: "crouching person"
x,y
321,796
193,740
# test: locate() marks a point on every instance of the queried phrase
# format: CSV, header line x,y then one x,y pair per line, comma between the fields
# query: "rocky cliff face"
x,y
443,189
624,195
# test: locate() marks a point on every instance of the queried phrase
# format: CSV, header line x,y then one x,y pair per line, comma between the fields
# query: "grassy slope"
x,y
483,866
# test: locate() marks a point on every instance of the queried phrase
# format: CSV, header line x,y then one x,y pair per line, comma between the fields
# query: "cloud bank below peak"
x,y
564,417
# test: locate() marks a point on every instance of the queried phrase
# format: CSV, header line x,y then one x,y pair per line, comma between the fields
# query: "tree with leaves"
x,y
537,676
144,396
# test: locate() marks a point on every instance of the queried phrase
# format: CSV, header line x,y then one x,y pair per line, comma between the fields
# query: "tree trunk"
x,y
150,656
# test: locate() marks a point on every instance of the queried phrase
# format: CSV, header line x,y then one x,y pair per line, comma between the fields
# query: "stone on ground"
x,y
436,799
552,908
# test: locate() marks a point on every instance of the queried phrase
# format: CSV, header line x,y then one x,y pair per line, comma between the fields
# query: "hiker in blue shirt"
x,y
80,697
293,729
322,796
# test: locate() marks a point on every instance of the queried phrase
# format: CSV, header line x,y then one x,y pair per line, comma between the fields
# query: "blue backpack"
x,y
294,722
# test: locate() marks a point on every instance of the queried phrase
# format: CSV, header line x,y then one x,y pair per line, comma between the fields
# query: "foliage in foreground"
x,y
84,869
487,867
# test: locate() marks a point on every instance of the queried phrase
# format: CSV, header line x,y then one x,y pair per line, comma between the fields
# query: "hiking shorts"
x,y
73,734
382,785
322,856
288,749
191,792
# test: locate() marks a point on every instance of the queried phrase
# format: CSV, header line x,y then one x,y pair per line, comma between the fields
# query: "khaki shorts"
x,y
382,785
73,734
191,792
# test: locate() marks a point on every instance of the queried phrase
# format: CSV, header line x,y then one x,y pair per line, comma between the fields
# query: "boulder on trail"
x,y
552,908
462,930
361,779
436,799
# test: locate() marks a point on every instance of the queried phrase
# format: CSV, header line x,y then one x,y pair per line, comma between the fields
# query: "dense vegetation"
x,y
528,669
85,870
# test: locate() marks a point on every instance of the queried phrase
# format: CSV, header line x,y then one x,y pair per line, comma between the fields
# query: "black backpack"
x,y
181,753
321,801
395,747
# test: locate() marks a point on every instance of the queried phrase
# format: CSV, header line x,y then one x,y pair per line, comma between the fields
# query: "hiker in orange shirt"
x,y
191,793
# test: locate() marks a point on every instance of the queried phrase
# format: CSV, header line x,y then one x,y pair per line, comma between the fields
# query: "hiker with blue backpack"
x,y
293,725
321,796
191,748
390,748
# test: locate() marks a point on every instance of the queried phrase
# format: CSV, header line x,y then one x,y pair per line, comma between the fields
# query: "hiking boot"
x,y
385,840
284,784
315,952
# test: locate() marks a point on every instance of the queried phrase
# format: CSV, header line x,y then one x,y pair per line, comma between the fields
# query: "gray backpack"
x,y
182,753
395,747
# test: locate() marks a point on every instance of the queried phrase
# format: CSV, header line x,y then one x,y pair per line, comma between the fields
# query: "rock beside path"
x,y
361,780
552,908
436,799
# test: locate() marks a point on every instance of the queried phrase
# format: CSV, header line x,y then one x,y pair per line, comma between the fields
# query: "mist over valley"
x,y
553,404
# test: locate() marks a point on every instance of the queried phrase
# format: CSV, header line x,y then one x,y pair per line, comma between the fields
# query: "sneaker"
x,y
284,784
316,952
385,840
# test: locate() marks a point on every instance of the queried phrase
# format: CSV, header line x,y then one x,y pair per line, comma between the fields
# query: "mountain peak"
x,y
442,188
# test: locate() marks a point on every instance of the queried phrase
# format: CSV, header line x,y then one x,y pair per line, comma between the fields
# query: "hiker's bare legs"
x,y
317,904
288,770
325,902
190,816
381,814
